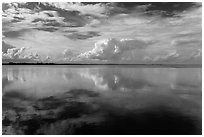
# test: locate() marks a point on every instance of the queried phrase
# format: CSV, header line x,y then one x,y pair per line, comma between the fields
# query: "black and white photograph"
x,y
101,68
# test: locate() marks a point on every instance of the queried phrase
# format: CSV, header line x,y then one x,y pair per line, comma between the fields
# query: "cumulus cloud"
x,y
48,59
69,55
14,53
19,55
112,49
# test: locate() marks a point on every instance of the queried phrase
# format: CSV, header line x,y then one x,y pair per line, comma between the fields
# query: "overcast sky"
x,y
102,32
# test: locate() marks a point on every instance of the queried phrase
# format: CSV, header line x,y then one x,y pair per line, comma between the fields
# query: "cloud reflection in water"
x,y
101,100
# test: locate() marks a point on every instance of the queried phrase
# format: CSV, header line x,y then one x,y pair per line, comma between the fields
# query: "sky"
x,y
94,32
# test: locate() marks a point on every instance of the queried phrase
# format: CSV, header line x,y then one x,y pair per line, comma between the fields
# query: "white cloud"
x,y
48,58
96,9
14,53
69,55
19,55
112,49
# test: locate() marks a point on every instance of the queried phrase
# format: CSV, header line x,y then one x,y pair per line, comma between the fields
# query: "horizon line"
x,y
101,64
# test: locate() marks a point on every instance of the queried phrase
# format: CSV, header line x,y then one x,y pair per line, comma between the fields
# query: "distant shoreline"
x,y
138,65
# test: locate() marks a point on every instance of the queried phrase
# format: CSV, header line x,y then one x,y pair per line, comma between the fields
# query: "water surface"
x,y
101,100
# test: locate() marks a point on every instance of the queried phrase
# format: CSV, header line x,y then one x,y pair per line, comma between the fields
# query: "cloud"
x,y
112,49
69,55
19,55
48,59
14,34
14,53
194,57
196,54
49,29
163,9
168,57
158,31
91,9
187,42
5,47
39,15
83,35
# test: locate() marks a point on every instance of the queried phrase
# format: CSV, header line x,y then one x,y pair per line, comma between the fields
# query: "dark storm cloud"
x,y
170,8
5,6
165,9
49,29
17,19
83,36
47,22
76,93
165,6
73,17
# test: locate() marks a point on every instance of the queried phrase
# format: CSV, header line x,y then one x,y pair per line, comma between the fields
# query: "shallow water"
x,y
101,100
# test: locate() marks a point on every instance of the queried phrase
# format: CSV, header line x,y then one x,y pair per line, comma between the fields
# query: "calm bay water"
x,y
101,100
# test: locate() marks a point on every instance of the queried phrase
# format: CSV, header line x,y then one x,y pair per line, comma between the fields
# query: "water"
x,y
101,100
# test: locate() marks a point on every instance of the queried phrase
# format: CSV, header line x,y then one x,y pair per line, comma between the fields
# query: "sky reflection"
x,y
94,95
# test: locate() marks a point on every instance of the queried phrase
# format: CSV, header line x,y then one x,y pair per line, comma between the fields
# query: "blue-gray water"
x,y
101,100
